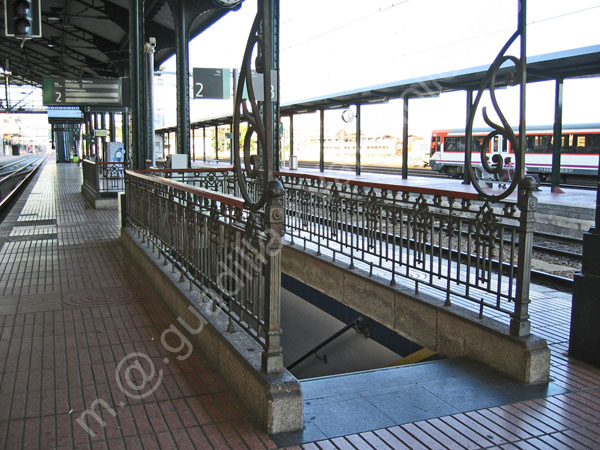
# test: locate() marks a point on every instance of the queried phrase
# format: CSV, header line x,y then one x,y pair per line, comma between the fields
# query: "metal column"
x,y
519,323
468,137
264,36
136,19
103,138
182,57
405,139
557,147
111,127
204,142
231,143
125,132
322,140
149,51
217,143
358,140
193,144
291,135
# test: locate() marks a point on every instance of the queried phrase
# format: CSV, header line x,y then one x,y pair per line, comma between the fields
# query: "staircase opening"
x,y
322,337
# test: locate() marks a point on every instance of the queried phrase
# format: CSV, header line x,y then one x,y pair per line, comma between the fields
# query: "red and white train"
x,y
579,154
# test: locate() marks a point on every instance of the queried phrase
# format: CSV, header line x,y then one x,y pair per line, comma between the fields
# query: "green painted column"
x,y
182,24
557,135
136,75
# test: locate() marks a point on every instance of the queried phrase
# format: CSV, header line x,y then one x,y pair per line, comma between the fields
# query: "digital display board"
x,y
82,91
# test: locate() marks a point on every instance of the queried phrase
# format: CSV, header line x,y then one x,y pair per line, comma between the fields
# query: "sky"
x,y
330,46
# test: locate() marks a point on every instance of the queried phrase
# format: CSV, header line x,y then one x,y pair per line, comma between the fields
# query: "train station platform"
x,y
74,310
570,212
584,198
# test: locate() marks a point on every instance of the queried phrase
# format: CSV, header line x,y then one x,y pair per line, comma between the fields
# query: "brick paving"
x,y
72,307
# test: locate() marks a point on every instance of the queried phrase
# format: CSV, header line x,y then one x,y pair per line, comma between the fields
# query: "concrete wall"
x,y
561,219
96,201
274,401
449,330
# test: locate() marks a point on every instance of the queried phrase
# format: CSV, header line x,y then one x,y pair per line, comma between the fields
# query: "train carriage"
x,y
580,149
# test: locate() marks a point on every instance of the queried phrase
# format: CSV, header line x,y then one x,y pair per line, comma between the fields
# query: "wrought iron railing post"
x,y
262,117
519,323
517,75
272,358
97,176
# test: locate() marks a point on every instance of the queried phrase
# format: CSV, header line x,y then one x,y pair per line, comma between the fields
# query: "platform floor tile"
x,y
75,315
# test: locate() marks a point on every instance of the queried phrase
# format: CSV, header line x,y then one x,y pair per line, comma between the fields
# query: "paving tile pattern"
x,y
71,308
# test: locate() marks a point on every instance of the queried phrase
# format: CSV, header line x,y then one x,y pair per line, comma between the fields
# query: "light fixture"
x,y
54,15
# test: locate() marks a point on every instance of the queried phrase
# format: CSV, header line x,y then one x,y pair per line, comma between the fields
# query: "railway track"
x,y
553,250
557,245
14,176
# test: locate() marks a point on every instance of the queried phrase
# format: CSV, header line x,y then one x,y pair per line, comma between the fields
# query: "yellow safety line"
x,y
415,357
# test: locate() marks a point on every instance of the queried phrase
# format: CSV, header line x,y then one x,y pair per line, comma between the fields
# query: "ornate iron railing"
x,y
213,240
451,242
103,177
214,179
90,175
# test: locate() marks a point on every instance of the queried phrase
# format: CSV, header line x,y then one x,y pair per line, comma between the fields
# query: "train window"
x,y
594,143
530,144
539,144
451,144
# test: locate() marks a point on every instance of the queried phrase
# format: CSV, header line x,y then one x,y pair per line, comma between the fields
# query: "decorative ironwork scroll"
x,y
257,185
518,75
258,116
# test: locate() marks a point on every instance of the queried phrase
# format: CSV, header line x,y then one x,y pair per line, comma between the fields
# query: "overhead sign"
x,y
211,83
64,112
83,91
258,83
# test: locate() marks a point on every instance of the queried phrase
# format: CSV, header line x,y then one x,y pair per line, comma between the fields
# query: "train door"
x,y
436,142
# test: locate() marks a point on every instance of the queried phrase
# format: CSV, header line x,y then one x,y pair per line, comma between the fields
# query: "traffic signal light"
x,y
22,18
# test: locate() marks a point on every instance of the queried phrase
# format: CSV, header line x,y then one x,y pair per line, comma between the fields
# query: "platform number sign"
x,y
211,83
258,83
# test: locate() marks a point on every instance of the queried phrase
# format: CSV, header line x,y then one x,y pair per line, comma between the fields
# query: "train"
x,y
579,153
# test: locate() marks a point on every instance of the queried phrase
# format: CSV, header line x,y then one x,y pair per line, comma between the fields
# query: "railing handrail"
x,y
200,169
206,193
340,179
108,163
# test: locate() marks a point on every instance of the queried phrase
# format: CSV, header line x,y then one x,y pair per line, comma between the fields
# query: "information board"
x,y
211,83
258,83
82,91
65,112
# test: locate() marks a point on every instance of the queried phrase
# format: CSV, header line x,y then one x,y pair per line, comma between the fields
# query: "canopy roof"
x,y
89,38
